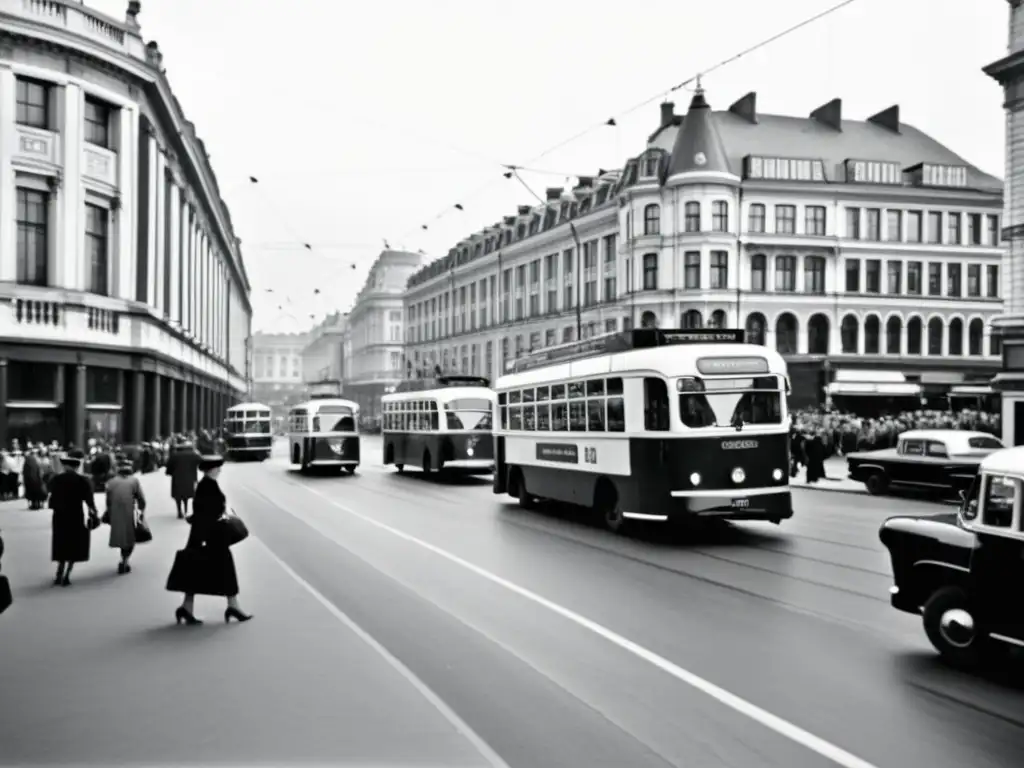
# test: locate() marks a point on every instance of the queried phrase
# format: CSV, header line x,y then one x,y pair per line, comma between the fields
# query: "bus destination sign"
x,y
761,168
873,172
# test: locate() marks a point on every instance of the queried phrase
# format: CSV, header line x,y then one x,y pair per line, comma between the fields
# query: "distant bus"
x,y
324,431
648,425
446,426
247,431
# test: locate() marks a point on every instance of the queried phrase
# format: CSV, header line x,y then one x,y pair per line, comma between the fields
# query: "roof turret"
x,y
699,153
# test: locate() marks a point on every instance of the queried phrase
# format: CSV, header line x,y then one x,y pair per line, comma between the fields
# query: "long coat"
x,y
69,491
32,474
215,574
182,467
124,493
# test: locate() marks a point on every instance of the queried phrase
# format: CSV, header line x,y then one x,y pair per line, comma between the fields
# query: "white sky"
x,y
365,120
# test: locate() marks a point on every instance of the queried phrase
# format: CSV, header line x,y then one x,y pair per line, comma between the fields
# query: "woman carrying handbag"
x,y
124,496
205,566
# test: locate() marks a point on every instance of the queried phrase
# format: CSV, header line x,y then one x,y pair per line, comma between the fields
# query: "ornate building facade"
x,y
863,250
124,301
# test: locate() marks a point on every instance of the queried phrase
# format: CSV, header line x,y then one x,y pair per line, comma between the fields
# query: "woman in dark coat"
x,y
215,574
69,491
814,449
182,466
32,475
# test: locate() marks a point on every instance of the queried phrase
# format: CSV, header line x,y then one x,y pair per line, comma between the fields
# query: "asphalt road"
x,y
401,621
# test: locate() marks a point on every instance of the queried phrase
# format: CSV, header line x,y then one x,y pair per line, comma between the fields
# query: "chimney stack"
x,y
554,193
524,210
668,113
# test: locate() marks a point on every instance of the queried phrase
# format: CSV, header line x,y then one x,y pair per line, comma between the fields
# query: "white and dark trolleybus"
x,y
439,424
648,424
248,432
324,430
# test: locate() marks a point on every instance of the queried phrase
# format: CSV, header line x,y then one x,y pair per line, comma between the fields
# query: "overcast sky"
x,y
365,120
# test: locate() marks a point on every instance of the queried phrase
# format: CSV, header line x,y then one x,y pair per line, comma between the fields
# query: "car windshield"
x,y
984,442
469,413
336,418
724,409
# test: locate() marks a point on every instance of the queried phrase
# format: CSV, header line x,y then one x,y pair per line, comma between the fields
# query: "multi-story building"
x,y
863,250
277,370
124,302
375,355
324,355
1009,73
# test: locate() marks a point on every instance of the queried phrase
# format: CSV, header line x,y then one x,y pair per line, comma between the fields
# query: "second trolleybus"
x,y
440,424
248,432
324,430
648,425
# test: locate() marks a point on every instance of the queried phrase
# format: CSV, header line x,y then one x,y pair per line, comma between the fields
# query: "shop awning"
x,y
879,389
971,390
861,375
942,377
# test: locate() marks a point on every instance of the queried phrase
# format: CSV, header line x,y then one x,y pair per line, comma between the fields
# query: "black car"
x,y
935,461
964,572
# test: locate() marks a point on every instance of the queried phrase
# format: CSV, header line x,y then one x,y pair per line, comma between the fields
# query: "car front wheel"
x,y
952,628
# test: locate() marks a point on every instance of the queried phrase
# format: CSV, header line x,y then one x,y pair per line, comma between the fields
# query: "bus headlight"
x,y
777,475
469,451
738,475
695,478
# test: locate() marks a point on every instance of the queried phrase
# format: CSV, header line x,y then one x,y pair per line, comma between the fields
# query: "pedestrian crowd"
x,y
66,481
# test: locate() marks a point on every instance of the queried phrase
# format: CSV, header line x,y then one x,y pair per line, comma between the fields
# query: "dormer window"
x,y
520,232
563,212
508,235
585,205
534,225
549,219
573,210
651,165
465,253
488,245
602,195
478,250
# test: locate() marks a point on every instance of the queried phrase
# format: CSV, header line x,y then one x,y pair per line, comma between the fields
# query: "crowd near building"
x,y
124,301
865,251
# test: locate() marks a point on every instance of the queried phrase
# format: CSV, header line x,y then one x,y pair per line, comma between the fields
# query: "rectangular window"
x,y
873,276
894,273
874,224
853,275
755,222
33,103
934,227
610,265
814,220
785,219
33,237
974,280
974,228
814,274
914,225
758,273
691,270
785,273
934,278
953,281
853,223
894,226
692,217
719,270
97,123
97,249
992,280
994,236
719,216
914,278
953,224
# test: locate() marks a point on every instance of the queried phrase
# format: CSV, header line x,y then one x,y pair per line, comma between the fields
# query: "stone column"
x,y
136,427
74,409
3,403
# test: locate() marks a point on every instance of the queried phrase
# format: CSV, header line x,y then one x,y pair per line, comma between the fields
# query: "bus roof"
x,y
442,394
318,403
249,407
441,382
669,352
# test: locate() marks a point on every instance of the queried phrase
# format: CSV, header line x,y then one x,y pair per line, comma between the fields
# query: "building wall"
x,y
322,357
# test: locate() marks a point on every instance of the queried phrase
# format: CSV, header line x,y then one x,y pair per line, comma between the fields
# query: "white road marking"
x,y
493,758
783,727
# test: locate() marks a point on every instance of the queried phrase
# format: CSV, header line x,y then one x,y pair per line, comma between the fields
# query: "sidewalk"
x,y
98,673
836,478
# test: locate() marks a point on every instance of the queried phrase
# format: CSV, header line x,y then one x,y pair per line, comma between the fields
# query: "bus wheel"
x,y
296,457
400,468
611,510
351,469
426,463
518,485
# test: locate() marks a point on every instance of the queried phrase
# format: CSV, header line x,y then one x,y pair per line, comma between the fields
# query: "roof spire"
x,y
699,150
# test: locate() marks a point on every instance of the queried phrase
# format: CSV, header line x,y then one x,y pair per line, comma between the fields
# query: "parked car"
x,y
939,461
962,572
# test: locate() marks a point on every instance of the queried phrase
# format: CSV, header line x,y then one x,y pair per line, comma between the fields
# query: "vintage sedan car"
x,y
939,461
963,572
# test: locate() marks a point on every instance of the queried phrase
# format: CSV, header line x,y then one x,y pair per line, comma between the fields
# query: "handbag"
x,y
106,517
94,522
233,529
188,571
143,533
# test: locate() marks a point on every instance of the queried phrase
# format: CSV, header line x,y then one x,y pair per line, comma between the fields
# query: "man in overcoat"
x,y
183,467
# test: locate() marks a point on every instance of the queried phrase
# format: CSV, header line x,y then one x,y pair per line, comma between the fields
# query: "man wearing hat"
x,y
124,496
182,468
69,493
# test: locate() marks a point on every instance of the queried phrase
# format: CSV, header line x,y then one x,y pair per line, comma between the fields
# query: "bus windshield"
x,y
469,413
248,426
730,409
334,418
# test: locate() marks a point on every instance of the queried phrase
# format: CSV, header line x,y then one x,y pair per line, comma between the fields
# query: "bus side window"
x,y
434,417
656,405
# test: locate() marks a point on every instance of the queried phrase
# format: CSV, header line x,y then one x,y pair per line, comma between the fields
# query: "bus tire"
x,y
400,468
426,463
877,484
517,488
351,469
296,455
607,504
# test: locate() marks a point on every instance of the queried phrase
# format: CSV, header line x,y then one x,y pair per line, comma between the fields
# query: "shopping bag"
x,y
233,529
188,571
142,532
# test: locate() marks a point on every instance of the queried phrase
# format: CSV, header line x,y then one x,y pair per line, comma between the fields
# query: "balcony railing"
x,y
76,18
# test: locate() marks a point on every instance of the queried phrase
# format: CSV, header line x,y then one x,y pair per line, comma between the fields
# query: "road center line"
x,y
493,758
783,727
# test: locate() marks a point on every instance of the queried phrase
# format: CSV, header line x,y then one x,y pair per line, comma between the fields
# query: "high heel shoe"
x,y
181,615
237,615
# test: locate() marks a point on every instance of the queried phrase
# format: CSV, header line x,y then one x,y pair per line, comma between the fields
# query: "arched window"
x,y
691,216
756,326
719,216
817,335
652,219
691,319
935,330
915,330
717,319
975,336
786,329
849,333
650,272
872,335
648,320
956,336
893,335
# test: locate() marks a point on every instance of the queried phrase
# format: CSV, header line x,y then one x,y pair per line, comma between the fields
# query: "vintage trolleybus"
x,y
963,573
440,424
648,424
247,431
324,431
